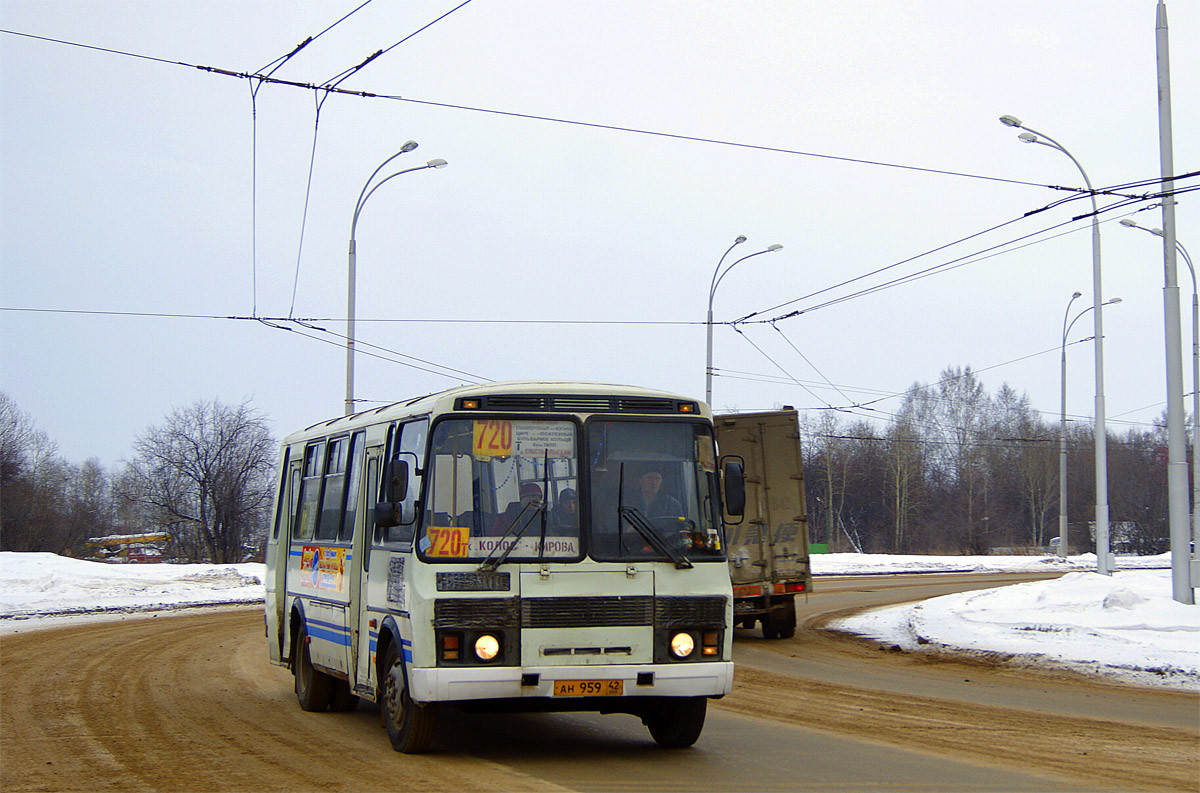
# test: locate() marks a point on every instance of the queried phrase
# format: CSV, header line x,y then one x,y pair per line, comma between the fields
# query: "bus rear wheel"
x,y
409,725
313,688
342,699
676,722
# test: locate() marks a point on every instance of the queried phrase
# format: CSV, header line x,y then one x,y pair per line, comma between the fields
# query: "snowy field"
x,y
1125,626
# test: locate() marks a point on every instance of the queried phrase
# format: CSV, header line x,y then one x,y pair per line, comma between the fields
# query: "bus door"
x,y
279,548
361,639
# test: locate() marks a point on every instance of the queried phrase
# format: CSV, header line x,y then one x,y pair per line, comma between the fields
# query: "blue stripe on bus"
x,y
405,646
328,631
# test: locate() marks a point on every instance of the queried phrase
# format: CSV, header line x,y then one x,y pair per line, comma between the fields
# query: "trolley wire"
x,y
329,89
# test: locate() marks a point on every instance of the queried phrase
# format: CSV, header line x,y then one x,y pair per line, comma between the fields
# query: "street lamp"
x,y
1130,223
1062,426
352,264
718,275
1103,558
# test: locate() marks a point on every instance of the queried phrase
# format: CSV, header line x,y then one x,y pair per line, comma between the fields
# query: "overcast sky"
x,y
137,212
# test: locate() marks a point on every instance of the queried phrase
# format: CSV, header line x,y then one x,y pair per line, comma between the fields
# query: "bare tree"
x,y
33,509
906,477
204,476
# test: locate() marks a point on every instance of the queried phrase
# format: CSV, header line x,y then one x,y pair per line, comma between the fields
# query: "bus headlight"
x,y
682,645
487,647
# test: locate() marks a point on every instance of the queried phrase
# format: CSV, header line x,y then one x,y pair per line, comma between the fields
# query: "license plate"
x,y
589,688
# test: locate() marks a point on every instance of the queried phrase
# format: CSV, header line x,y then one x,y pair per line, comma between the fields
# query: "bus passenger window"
x,y
335,484
310,492
354,475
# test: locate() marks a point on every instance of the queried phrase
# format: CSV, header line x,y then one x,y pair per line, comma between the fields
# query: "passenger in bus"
x,y
565,514
525,509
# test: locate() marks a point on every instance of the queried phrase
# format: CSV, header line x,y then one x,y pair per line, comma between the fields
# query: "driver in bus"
x,y
651,500
565,514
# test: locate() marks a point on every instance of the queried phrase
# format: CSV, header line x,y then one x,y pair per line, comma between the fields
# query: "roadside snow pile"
x,y
40,584
889,564
1125,625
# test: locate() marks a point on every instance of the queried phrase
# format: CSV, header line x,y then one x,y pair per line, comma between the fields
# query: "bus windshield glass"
x,y
653,491
502,487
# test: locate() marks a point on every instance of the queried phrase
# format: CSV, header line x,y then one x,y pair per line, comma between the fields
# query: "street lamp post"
x,y
1062,439
718,275
351,270
1104,563
1062,427
1129,223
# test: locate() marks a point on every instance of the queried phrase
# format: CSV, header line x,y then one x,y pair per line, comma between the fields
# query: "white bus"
x,y
536,546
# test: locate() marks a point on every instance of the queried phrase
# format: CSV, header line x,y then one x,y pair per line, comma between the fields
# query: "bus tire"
x,y
313,688
343,699
676,722
409,725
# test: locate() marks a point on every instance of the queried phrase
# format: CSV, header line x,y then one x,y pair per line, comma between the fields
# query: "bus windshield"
x,y
509,490
653,491
502,487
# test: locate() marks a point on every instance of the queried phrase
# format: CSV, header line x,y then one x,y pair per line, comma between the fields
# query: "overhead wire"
x,y
331,87
324,91
255,85
959,261
550,119
447,374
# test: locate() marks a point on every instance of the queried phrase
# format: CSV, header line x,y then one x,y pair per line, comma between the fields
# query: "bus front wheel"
x,y
676,722
313,688
409,725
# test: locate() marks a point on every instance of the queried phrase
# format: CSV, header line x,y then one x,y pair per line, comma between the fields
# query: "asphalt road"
x,y
190,703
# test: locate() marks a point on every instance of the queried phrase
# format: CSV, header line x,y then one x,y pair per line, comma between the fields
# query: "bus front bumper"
x,y
444,684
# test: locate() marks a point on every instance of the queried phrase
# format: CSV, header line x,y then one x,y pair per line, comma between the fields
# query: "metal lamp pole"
x,y
352,263
1062,431
1129,223
1104,563
709,323
1062,439
712,290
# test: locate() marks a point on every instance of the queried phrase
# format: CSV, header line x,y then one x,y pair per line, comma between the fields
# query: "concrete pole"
x,y
1177,493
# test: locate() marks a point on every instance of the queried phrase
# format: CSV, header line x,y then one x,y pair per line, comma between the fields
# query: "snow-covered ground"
x,y
1125,625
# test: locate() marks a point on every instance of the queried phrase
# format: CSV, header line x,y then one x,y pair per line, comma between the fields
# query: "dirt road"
x,y
189,703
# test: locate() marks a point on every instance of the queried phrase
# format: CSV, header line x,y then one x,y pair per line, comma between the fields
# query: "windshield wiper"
x,y
490,566
650,534
545,495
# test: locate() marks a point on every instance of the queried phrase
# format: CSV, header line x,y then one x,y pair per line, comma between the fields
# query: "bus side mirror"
x,y
735,485
395,490
395,481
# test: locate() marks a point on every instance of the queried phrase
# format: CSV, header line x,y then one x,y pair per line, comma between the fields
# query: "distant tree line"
x,y
203,477
959,470
954,470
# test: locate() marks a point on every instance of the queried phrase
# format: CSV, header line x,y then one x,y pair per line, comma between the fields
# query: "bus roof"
x,y
445,401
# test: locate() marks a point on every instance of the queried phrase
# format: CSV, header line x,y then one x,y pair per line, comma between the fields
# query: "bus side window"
x,y
353,485
412,447
310,491
333,499
281,502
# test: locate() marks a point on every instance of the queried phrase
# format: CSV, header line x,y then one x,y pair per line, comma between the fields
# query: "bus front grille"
x,y
587,612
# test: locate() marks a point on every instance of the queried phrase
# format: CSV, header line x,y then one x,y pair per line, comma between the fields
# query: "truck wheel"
x,y
676,722
780,623
313,688
409,725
